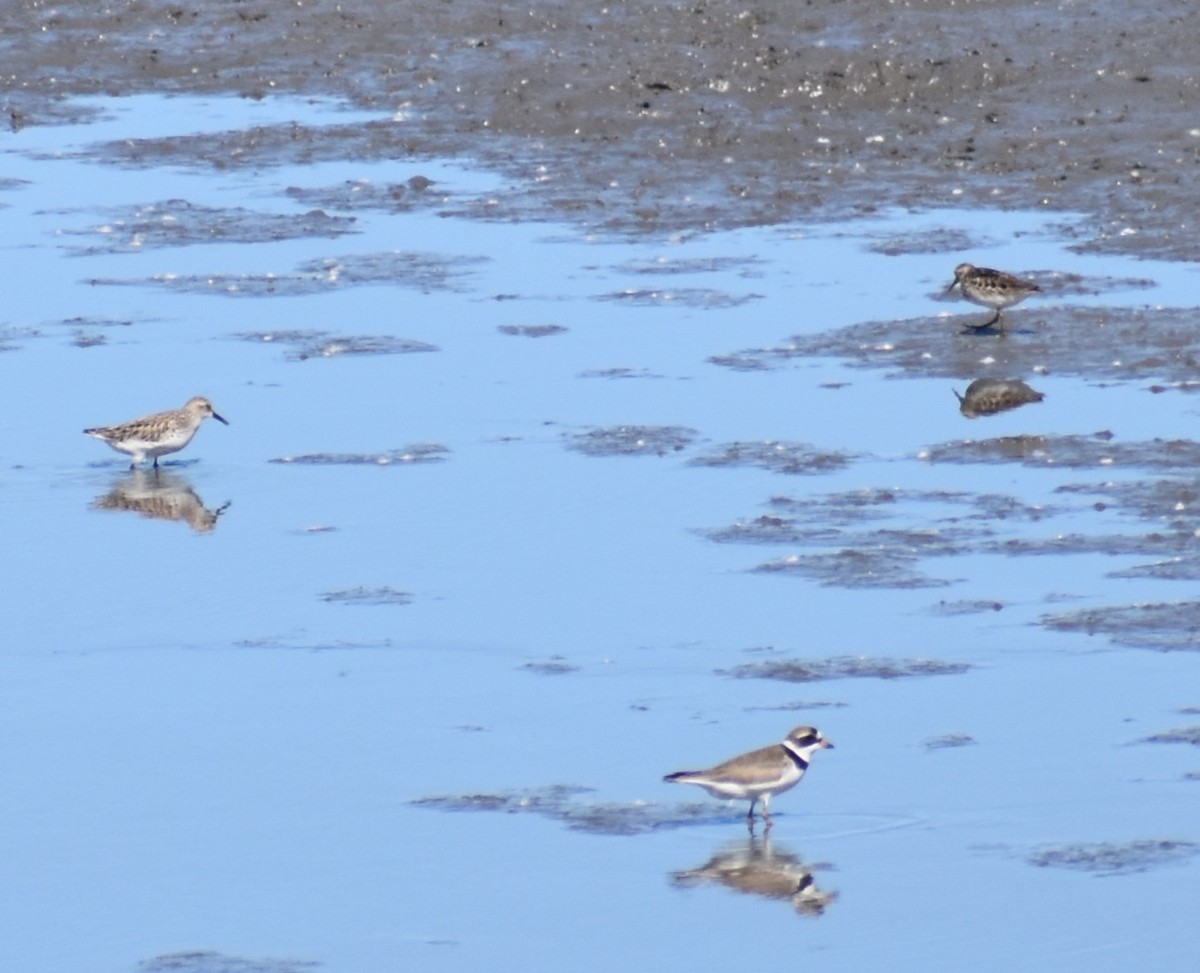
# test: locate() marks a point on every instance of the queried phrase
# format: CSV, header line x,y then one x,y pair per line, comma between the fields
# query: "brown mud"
x,y
661,116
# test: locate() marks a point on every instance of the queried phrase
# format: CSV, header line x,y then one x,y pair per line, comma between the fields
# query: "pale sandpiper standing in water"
x,y
759,774
990,288
156,435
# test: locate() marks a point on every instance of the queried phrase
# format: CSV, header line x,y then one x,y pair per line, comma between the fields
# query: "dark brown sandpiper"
x,y
990,288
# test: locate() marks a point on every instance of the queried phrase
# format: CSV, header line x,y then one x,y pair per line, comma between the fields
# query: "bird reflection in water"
x,y
988,396
160,495
755,866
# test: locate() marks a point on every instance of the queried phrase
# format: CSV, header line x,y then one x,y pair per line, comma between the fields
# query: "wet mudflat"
x,y
390,669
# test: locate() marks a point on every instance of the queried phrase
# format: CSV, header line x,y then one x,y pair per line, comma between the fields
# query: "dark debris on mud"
x,y
792,458
631,440
1105,858
844,667
303,345
561,803
1166,626
408,456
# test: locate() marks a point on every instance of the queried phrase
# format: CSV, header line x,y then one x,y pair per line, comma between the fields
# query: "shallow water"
x,y
224,730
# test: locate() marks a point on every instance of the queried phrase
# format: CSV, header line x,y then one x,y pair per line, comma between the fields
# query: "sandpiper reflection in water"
x,y
987,396
159,495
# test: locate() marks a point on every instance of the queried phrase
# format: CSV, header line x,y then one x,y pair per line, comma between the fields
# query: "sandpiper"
x,y
158,434
759,774
990,288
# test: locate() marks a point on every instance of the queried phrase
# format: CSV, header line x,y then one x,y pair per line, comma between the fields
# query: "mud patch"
x,y
556,666
415,193
884,557
1183,734
949,741
531,330
620,372
1173,503
1119,344
668,266
1172,569
631,440
844,667
1115,859
207,961
369,596
1167,626
426,272
797,706
292,644
259,146
1094,451
179,223
408,456
966,607
792,458
856,568
303,345
937,240
560,803
694,297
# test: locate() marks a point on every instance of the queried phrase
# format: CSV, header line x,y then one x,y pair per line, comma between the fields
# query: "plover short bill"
x,y
158,434
760,774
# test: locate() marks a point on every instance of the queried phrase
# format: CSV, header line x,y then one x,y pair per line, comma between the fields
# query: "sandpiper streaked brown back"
x,y
990,288
158,434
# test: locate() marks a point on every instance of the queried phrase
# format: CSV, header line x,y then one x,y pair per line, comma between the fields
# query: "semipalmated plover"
x,y
759,774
